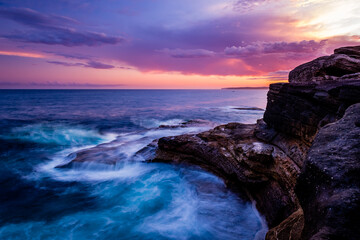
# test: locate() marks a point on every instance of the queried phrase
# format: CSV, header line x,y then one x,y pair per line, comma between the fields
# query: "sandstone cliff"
x,y
310,129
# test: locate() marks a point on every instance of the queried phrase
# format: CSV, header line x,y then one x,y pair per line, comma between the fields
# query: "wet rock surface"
x,y
233,152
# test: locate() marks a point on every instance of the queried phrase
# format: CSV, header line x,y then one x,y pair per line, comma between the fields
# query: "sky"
x,y
167,44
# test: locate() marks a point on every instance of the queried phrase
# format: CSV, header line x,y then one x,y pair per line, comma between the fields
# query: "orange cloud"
x,y
22,54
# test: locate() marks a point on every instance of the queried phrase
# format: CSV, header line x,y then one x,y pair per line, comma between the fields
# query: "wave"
x,y
117,159
58,134
154,123
167,202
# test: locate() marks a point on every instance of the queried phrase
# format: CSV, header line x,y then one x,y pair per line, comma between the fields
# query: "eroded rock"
x,y
233,152
344,61
301,110
289,229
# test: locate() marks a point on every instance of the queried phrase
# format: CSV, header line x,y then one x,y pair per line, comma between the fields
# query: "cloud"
x,y
199,48
187,53
56,85
275,47
98,65
125,68
65,37
52,30
247,5
22,54
33,18
222,43
90,64
281,75
67,64
70,56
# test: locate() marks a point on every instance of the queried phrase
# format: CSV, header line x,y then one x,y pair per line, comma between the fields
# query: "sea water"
x,y
42,129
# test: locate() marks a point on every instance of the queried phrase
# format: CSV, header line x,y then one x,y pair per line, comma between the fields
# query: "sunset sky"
x,y
166,44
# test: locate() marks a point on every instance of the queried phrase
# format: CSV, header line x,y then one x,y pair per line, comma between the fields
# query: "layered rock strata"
x,y
343,64
329,185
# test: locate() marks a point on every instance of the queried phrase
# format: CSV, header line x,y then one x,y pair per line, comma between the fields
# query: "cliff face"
x,y
329,185
310,129
301,110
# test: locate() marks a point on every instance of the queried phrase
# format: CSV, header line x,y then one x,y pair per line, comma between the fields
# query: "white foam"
x,y
153,123
58,134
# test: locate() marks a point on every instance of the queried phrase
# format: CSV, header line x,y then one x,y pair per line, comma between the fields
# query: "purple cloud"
x,y
98,65
281,75
67,64
91,64
65,37
187,53
17,85
35,19
247,5
70,56
50,30
275,47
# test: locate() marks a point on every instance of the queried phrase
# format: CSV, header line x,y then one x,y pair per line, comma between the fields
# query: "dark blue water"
x,y
131,200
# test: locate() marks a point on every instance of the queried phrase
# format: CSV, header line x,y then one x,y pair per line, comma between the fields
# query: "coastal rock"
x,y
294,148
328,68
100,154
352,51
289,229
301,110
329,185
233,152
191,123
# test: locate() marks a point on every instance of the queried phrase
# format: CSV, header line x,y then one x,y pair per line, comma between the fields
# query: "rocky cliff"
x,y
300,164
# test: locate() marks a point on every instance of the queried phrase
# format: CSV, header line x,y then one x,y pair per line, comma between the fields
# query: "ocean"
x,y
41,129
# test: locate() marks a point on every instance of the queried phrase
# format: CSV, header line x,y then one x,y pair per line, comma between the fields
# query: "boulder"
x,y
351,51
344,61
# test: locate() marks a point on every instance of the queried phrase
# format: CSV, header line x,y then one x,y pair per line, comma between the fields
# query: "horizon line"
x,y
230,88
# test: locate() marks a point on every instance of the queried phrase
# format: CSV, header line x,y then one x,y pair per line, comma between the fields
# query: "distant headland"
x,y
235,88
